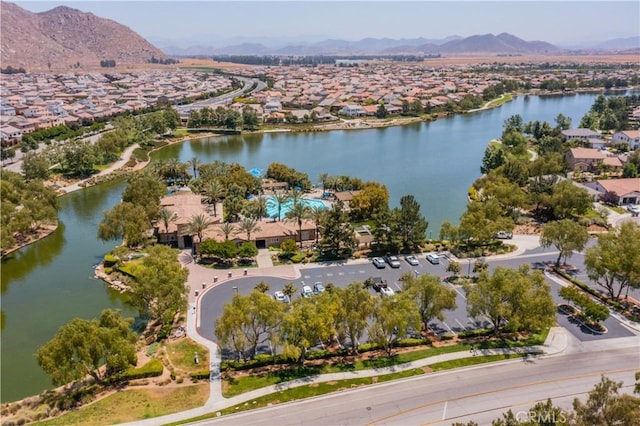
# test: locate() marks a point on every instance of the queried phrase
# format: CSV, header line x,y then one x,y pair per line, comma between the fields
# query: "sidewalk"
x,y
556,343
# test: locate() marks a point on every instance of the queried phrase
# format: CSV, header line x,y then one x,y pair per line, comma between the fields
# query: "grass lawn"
x,y
135,404
464,362
182,352
306,391
497,102
243,384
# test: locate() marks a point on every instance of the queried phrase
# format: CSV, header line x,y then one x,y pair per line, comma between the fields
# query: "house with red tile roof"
x,y
628,190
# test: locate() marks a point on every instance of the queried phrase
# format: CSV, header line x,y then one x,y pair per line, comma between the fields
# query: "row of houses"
x,y
31,102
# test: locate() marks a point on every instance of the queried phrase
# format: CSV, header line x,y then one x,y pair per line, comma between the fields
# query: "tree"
x,y
338,236
145,190
482,220
250,119
305,324
198,224
494,157
630,170
605,406
280,198
227,229
614,262
566,235
392,317
125,221
374,197
167,216
194,163
80,347
262,287
298,213
316,214
158,289
567,200
381,112
35,166
448,232
357,306
454,268
247,250
430,295
213,193
563,122
289,290
78,157
249,321
232,207
410,223
249,225
225,250
515,299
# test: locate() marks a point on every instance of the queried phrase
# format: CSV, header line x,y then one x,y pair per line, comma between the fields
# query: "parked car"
x,y
318,288
412,260
392,261
387,291
281,297
378,262
633,209
306,291
504,235
433,258
378,283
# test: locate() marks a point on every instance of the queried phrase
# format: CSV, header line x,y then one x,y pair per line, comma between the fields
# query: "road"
x,y
480,393
227,97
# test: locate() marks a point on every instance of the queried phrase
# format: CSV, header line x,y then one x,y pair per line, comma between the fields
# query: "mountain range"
x,y
67,38
64,38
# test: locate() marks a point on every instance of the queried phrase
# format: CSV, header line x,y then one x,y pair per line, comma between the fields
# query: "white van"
x,y
433,258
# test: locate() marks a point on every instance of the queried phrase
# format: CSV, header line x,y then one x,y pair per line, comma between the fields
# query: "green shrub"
x,y
109,260
405,343
198,375
447,336
152,368
298,257
476,333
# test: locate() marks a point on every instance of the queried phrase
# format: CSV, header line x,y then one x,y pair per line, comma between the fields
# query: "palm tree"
x,y
213,194
280,198
324,179
289,290
260,206
299,212
167,217
198,224
195,164
227,229
249,225
316,214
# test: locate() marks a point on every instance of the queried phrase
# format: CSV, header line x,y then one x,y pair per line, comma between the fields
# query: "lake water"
x,y
48,283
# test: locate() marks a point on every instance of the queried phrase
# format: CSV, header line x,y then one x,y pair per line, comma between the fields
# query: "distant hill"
x,y
488,43
63,37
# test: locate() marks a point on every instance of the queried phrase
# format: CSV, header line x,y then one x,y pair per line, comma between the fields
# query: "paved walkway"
x,y
557,342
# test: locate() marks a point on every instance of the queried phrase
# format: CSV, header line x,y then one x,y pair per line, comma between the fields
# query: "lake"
x,y
48,283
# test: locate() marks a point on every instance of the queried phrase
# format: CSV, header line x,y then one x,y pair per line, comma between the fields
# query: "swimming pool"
x,y
272,206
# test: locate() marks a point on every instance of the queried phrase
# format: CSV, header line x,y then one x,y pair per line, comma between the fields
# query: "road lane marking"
x,y
444,411
507,388
463,327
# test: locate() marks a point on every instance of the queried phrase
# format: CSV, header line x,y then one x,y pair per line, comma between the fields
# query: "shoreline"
x,y
119,168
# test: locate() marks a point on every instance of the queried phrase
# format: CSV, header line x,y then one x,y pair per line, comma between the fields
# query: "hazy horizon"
x,y
187,23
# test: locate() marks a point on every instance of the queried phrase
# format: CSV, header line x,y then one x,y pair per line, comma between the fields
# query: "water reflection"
x,y
22,262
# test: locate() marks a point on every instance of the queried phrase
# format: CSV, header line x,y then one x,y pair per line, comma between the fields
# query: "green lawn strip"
x,y
302,392
135,404
464,362
240,385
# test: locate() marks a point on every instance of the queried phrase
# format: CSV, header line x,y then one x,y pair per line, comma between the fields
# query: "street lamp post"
x,y
235,288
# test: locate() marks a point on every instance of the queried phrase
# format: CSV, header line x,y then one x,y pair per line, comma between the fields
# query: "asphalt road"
x,y
480,393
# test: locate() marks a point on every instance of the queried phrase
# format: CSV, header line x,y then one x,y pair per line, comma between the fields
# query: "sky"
x,y
213,22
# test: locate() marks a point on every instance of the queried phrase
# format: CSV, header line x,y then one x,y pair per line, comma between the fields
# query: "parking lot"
x,y
455,321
